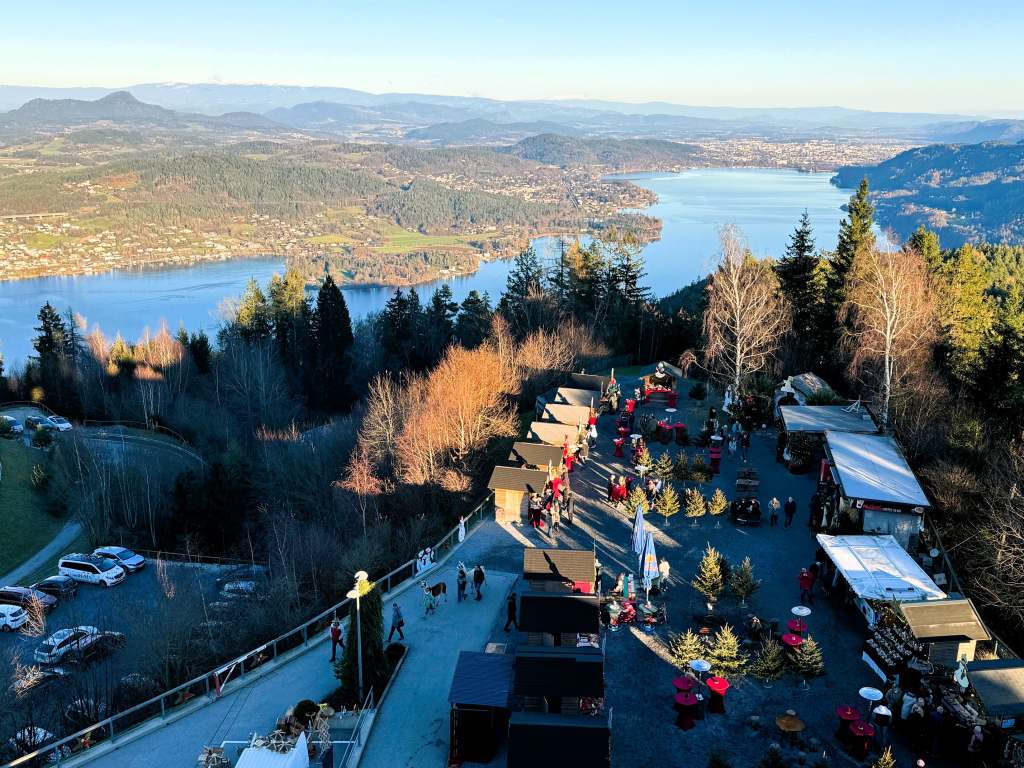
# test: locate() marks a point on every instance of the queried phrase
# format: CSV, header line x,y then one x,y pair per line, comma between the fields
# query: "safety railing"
x,y
212,684
357,732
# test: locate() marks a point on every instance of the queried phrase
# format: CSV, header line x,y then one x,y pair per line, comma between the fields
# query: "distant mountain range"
x,y
966,192
454,119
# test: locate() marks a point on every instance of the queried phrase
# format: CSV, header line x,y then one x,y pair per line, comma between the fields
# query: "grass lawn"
x,y
42,240
398,240
26,525
78,544
330,239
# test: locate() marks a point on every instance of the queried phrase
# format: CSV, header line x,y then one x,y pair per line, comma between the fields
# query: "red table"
x,y
861,734
793,641
797,626
686,707
847,716
684,684
630,405
619,442
672,397
623,431
717,686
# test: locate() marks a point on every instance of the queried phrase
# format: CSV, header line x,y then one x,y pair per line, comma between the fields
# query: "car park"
x,y
125,558
76,644
12,617
60,423
90,569
24,597
15,426
61,587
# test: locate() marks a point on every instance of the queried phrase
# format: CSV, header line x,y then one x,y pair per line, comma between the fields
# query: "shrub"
x,y
826,396
305,710
717,504
6,430
681,467
699,472
39,478
685,648
726,656
769,662
698,391
394,653
42,438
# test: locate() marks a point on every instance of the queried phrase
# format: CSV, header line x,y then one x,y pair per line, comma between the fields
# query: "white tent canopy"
x,y
824,418
878,568
872,468
261,757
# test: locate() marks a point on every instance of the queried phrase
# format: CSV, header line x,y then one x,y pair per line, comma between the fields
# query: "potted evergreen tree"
x,y
710,580
696,506
667,503
742,581
717,505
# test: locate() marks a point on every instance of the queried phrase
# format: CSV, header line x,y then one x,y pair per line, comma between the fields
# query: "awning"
x,y
872,468
878,568
482,680
822,418
937,619
262,757
1000,685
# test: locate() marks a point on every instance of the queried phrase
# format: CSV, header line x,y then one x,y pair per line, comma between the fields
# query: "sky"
x,y
897,55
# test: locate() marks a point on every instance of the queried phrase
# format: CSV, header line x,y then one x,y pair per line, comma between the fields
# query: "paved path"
x,y
47,554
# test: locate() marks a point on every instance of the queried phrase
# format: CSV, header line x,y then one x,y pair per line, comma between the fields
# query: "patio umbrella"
x,y
639,531
648,563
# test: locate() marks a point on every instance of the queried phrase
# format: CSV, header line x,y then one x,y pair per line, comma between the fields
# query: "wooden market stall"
x,y
535,455
539,739
479,705
589,381
948,630
564,680
818,419
512,487
559,570
553,433
573,415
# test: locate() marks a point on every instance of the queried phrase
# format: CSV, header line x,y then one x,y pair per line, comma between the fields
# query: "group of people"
x,y
556,503
918,712
789,509
809,577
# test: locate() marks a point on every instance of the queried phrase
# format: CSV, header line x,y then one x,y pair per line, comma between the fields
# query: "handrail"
x,y
204,681
357,729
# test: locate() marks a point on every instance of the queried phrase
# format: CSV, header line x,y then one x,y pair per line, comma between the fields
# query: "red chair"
x,y
619,442
717,686
680,432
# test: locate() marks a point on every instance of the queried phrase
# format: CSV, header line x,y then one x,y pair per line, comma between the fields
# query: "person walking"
x,y
570,504
556,518
806,581
733,445
534,509
460,582
664,571
790,511
397,622
975,747
882,718
774,505
479,577
510,612
744,445
336,640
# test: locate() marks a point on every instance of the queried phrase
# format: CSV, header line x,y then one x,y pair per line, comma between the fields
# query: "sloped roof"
x,y
566,414
872,467
570,396
558,671
558,612
935,619
518,479
558,564
540,739
551,432
482,680
1000,685
589,381
878,568
536,454
823,418
670,369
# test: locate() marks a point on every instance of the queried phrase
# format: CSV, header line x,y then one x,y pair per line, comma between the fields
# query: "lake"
x,y
693,205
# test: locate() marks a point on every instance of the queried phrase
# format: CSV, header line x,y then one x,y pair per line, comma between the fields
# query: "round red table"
x,y
797,626
623,431
686,707
717,686
793,641
619,442
861,734
847,716
684,684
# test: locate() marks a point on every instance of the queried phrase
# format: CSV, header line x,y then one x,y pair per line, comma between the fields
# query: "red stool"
x,y
797,626
619,442
684,684
672,398
861,734
686,709
717,686
847,716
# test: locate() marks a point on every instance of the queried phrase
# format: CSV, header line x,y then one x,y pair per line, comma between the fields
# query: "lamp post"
x,y
354,594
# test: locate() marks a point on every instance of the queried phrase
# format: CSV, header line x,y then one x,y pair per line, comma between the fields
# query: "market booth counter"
x,y
948,630
479,700
512,487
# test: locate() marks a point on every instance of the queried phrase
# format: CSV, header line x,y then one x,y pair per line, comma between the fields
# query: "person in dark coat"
x,y
478,581
744,445
510,609
789,509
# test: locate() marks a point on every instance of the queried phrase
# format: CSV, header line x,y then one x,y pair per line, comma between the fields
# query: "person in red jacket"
x,y
336,638
806,580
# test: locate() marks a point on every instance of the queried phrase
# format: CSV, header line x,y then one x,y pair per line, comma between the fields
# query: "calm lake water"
x,y
693,205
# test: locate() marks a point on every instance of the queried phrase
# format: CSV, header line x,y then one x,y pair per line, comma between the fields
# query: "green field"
x,y
23,518
398,240
331,239
40,240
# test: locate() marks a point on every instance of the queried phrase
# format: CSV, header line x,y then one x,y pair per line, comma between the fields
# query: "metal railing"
x,y
357,732
191,557
212,684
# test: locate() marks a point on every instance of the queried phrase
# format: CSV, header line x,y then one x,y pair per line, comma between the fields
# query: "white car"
x,y
64,644
91,569
16,428
60,423
12,617
127,559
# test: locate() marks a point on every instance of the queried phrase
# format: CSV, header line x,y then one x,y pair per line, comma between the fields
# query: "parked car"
x,y
37,678
76,644
91,569
235,590
61,587
127,559
32,423
60,423
12,617
23,596
15,426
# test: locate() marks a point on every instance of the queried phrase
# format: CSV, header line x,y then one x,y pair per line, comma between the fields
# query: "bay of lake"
x,y
764,203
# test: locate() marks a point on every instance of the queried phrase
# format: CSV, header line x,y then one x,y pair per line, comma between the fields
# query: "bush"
x,y
6,430
769,662
699,391
305,710
42,438
394,653
40,480
681,468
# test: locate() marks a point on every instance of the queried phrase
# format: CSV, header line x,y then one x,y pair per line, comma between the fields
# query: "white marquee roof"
x,y
822,418
878,568
872,467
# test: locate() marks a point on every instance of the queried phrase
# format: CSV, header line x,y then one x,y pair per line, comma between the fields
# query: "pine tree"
x,y
439,324
685,648
809,661
375,663
290,313
726,655
253,317
474,320
926,243
523,282
201,351
742,581
663,467
709,580
699,471
696,506
885,760
681,467
772,758
667,503
855,237
52,332
637,498
966,313
643,459
331,328
1001,377
800,278
717,504
768,665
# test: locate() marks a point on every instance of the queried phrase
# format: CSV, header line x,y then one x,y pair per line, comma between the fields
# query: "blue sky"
x,y
895,55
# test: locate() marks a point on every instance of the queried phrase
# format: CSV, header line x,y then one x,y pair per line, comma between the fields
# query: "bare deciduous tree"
x,y
891,322
746,317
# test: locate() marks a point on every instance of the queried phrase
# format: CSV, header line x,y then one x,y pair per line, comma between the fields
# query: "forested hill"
x,y
617,154
966,192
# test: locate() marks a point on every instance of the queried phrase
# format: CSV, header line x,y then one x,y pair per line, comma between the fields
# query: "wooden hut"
x,y
479,701
574,415
512,487
949,629
589,381
559,570
552,432
535,455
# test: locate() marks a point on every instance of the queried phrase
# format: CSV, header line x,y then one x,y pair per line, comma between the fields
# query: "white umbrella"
x,y
639,530
648,563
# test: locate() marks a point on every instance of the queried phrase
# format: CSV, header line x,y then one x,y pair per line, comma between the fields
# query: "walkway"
x,y
48,554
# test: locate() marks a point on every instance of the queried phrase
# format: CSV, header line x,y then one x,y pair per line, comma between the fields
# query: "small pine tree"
x,y
667,503
685,648
885,760
699,472
643,459
726,655
681,468
809,661
696,506
742,581
772,758
717,504
768,664
709,580
637,498
663,468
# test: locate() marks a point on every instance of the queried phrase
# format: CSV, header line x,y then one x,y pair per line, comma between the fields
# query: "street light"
x,y
354,594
